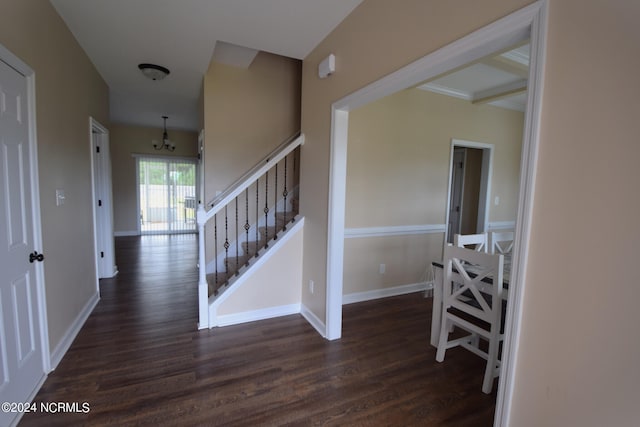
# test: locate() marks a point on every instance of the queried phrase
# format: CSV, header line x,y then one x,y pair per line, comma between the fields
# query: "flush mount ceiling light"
x,y
153,71
166,143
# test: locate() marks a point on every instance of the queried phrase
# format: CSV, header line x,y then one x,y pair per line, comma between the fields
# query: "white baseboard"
x,y
313,320
254,315
126,233
386,292
72,332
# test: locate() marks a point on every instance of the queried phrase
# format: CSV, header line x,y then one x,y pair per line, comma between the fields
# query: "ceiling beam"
x,y
500,92
508,65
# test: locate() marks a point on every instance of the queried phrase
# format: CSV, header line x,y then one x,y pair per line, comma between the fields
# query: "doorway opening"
x,y
167,197
468,202
527,23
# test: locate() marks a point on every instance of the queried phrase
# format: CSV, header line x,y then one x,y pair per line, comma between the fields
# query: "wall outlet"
x,y
383,268
311,286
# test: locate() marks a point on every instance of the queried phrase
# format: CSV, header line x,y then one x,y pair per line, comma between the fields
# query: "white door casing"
x,y
102,201
24,349
456,178
485,184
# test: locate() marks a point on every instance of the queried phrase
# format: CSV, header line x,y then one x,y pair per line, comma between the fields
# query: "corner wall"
x,y
68,91
247,114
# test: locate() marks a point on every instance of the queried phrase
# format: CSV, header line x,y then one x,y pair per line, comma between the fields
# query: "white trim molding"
x,y
66,341
393,230
313,320
260,314
386,292
501,225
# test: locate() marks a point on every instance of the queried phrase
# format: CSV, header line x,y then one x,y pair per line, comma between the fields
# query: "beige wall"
x,y
126,140
248,113
398,171
399,153
577,362
68,92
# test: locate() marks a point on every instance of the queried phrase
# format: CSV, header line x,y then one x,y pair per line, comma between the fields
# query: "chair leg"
x,y
492,358
444,337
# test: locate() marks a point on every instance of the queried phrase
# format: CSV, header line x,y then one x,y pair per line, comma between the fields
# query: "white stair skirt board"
x,y
386,292
261,314
246,272
66,341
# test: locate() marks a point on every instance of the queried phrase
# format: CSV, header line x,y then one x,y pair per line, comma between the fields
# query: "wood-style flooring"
x,y
140,360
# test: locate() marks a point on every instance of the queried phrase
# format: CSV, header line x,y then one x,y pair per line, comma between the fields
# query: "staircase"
x,y
242,224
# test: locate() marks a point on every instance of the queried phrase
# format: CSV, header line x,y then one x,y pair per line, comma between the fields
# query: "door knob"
x,y
35,256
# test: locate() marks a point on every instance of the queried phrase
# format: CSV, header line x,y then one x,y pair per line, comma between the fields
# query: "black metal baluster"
x,y
226,243
285,193
257,215
237,240
247,226
275,196
266,209
215,246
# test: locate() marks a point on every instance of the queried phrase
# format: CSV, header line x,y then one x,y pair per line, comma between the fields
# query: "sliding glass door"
x,y
167,195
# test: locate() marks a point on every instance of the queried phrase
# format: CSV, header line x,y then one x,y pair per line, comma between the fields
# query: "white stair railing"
x,y
258,199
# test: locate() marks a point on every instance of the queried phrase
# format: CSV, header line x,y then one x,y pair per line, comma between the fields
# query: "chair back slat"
x,y
465,283
478,242
501,242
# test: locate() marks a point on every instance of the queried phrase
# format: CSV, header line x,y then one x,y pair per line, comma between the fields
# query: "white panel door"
x,y
21,367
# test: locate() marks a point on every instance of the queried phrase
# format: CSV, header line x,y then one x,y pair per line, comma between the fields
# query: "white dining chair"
x,y
501,242
472,291
478,242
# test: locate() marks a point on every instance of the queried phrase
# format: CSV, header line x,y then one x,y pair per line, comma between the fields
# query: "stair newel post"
x,y
203,288
266,209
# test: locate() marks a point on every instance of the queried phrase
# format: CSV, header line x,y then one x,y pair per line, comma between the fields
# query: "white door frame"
x,y
529,22
102,194
17,64
485,183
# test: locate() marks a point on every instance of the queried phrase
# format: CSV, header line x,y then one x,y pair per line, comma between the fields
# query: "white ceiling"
x,y
500,80
181,35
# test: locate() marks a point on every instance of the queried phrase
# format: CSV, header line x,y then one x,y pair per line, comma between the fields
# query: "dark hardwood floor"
x,y
140,360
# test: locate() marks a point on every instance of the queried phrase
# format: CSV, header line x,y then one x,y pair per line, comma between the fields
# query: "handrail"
x,y
248,178
244,177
